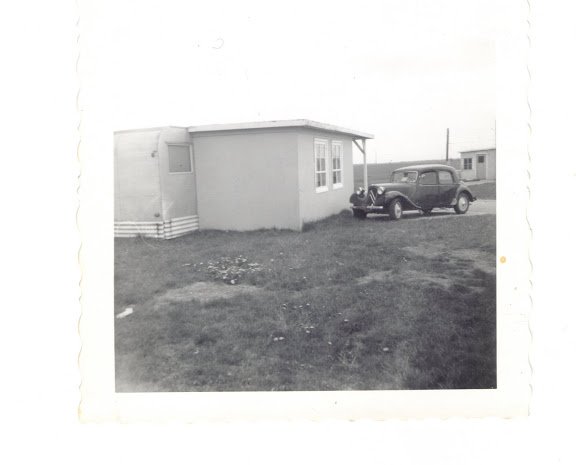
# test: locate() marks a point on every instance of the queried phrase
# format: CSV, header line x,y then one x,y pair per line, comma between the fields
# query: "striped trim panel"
x,y
372,197
157,229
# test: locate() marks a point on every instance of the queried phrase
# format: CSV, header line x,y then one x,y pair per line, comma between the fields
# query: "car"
x,y
418,187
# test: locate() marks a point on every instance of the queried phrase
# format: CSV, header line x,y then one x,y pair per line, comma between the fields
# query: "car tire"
x,y
426,211
462,204
395,209
361,215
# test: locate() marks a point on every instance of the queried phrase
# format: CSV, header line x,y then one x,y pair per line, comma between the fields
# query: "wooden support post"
x,y
362,149
365,165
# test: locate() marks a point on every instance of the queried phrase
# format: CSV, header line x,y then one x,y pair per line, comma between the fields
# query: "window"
x,y
467,163
179,158
337,156
480,158
445,177
320,149
429,178
405,176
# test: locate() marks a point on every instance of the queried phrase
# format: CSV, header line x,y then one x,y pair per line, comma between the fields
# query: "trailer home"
x,y
170,181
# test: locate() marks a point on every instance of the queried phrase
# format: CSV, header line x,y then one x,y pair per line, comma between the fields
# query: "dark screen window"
x,y
179,159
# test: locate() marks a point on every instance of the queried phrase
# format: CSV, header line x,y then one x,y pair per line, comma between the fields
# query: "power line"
x,y
447,142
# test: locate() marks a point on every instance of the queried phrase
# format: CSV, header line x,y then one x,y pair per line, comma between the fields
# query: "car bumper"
x,y
368,208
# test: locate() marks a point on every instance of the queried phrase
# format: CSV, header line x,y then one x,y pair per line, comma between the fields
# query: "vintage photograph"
x,y
302,206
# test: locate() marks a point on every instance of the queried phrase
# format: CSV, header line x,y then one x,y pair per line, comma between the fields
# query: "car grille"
x,y
372,196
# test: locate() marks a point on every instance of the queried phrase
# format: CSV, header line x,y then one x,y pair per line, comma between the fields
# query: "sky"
x,y
402,70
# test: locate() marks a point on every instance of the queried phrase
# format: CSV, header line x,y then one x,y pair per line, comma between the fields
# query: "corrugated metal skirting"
x,y
157,229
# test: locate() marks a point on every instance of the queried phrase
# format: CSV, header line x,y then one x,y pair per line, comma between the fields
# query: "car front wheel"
x,y
462,204
395,209
359,214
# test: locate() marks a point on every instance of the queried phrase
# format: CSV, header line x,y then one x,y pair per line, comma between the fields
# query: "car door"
x,y
427,189
447,187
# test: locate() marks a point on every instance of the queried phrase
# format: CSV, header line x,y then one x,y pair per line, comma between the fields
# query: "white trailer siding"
x,y
178,188
150,201
137,181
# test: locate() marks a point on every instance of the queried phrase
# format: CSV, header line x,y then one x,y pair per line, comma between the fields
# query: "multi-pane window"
x,y
179,159
321,178
480,158
337,156
467,163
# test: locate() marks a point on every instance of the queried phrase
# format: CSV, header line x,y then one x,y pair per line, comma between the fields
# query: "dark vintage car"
x,y
418,187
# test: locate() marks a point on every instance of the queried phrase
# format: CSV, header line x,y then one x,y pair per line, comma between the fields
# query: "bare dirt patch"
x,y
205,292
429,251
381,276
481,260
407,276
423,277
484,261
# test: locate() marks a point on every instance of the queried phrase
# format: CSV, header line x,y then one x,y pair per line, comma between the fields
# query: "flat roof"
x,y
478,150
158,128
293,123
427,166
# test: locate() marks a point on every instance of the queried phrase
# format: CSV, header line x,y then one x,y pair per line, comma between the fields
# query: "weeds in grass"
x,y
232,270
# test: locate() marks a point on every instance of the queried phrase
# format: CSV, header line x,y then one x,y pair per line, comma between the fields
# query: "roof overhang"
x,y
477,150
295,123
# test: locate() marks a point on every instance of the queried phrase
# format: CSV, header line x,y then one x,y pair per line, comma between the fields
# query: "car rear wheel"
x,y
427,211
395,209
462,204
359,214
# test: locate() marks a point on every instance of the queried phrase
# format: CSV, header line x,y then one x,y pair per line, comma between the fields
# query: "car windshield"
x,y
404,176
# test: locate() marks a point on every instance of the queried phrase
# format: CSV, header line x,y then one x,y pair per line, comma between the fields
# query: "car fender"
x,y
463,189
391,195
355,199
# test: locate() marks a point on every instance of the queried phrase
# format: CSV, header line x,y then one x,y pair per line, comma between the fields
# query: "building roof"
x,y
294,123
429,166
478,150
157,128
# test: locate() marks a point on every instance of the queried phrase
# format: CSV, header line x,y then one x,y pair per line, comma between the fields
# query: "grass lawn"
x,y
347,304
485,190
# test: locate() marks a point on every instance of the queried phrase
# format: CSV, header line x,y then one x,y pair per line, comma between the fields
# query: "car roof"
x,y
430,166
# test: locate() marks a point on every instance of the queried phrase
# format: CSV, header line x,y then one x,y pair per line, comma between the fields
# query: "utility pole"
x,y
447,142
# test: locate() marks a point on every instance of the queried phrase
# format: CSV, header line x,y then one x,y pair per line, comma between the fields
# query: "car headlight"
x,y
360,191
380,190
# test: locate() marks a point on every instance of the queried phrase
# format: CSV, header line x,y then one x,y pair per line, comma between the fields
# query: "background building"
x,y
478,164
